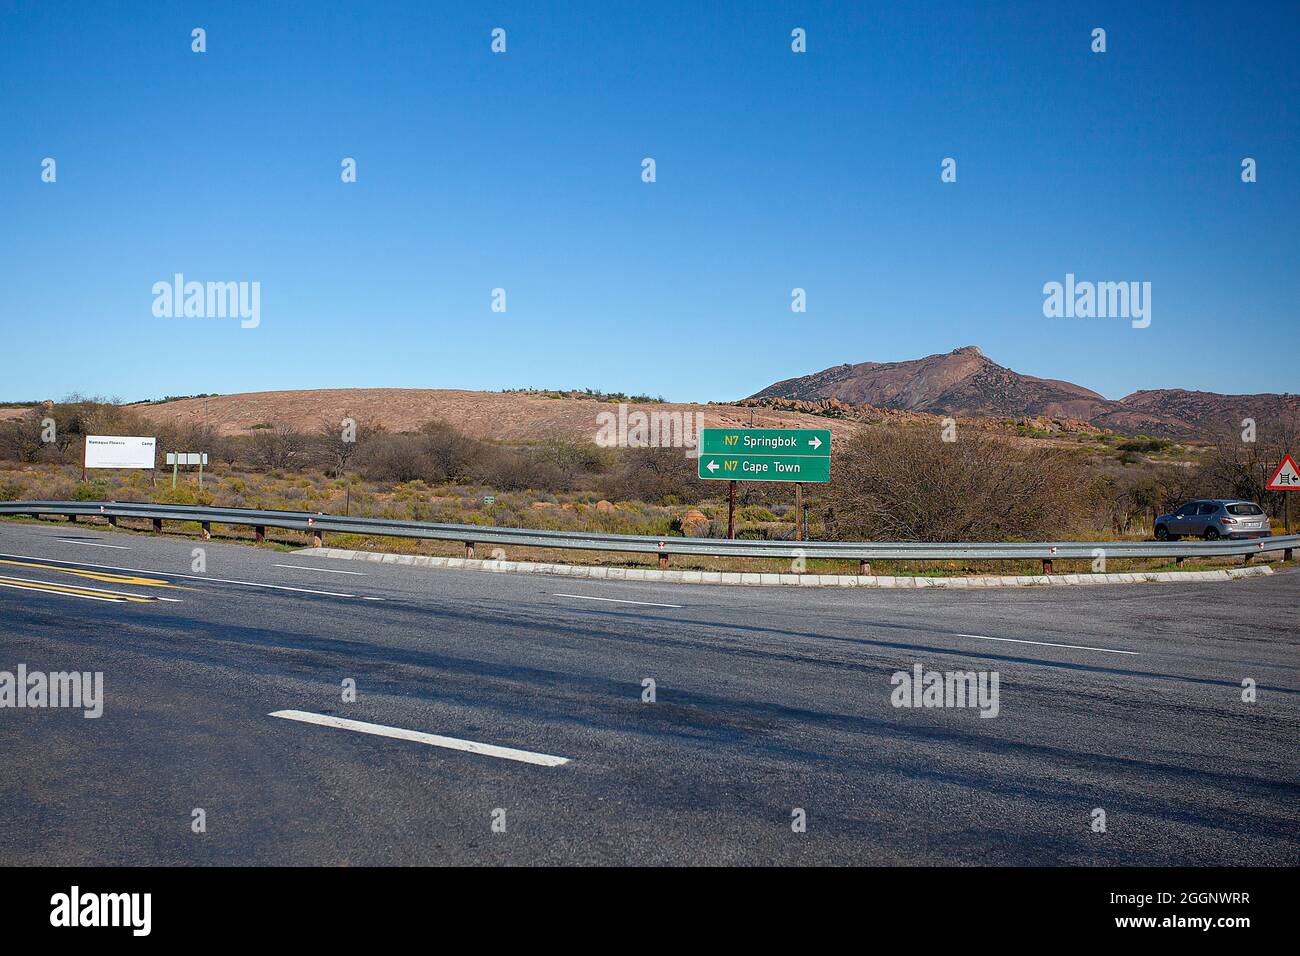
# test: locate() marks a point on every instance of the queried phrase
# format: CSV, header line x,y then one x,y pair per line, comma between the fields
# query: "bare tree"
x,y
226,448
20,438
660,474
337,445
279,447
451,455
1240,464
906,484
395,458
570,456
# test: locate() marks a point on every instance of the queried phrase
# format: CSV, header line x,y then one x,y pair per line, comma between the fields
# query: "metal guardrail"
x,y
473,535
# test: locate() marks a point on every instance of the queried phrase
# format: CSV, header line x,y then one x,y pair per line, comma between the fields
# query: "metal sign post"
x,y
731,510
1286,478
798,510
766,454
176,459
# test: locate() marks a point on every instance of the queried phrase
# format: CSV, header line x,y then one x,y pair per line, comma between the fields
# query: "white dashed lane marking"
x,y
588,597
299,567
433,740
1077,647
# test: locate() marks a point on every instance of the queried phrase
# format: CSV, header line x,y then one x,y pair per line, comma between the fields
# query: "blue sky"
x,y
523,171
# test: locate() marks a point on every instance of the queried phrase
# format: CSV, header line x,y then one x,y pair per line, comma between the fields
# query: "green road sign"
x,y
765,454
800,442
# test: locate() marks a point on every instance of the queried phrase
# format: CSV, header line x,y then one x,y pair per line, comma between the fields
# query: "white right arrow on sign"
x,y
815,442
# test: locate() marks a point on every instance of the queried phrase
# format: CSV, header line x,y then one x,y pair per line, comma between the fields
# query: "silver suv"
x,y
1214,518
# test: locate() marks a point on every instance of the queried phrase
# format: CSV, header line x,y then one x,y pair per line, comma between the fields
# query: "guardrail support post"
x,y
317,537
469,549
1178,562
72,518
1245,558
1047,565
157,525
1286,554
112,521
663,562
205,530
259,533
864,568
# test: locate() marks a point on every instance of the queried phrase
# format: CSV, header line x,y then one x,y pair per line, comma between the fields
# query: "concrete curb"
x,y
752,579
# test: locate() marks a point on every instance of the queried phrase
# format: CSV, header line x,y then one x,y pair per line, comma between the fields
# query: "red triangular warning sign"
x,y
1286,478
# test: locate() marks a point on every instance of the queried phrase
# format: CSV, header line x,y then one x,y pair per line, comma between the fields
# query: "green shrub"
x,y
184,495
415,490
1146,445
95,490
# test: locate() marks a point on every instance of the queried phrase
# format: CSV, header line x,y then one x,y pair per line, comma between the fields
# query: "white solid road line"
x,y
1077,647
299,567
588,597
434,740
254,584
91,544
174,574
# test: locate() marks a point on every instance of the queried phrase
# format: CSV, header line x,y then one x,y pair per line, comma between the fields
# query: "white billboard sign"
x,y
187,458
119,451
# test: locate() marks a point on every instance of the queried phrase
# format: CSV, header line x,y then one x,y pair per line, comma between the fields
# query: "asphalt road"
x,y
766,700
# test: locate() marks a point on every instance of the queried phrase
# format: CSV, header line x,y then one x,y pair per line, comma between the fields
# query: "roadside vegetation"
x,y
891,482
586,393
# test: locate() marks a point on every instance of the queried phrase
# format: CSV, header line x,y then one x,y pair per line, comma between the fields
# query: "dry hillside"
x,y
492,416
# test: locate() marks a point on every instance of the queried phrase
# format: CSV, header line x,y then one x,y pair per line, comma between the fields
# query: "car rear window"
x,y
1245,509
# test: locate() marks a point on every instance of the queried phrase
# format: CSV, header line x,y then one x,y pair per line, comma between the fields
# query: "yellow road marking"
x,y
24,584
88,597
106,576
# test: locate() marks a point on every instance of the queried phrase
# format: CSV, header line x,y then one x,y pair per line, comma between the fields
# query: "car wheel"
x,y
1211,534
1162,533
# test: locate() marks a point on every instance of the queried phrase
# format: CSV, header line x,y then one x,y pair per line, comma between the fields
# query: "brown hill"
x,y
962,382
523,417
966,383
1177,411
492,416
